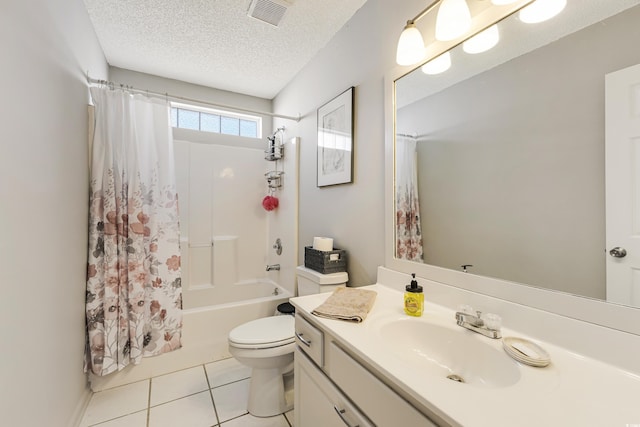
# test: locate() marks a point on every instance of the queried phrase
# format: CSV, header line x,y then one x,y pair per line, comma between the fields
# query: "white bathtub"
x,y
204,332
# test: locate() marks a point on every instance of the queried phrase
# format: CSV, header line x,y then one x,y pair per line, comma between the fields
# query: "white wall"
x,y
359,55
46,46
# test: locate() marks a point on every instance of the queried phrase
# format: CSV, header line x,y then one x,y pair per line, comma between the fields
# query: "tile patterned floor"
x,y
211,395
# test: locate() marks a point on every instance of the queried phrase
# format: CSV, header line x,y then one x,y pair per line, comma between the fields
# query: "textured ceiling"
x,y
213,42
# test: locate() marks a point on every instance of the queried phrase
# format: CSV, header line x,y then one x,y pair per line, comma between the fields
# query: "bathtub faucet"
x,y
273,267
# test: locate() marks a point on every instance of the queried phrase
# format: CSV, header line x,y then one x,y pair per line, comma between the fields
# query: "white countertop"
x,y
572,391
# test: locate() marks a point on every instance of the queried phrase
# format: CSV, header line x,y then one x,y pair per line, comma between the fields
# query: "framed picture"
x,y
335,140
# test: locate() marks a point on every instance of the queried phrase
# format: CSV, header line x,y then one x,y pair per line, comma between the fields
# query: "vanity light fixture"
x,y
541,10
482,41
453,20
438,65
411,48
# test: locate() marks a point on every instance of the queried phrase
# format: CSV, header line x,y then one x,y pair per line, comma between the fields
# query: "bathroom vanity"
x,y
393,369
333,387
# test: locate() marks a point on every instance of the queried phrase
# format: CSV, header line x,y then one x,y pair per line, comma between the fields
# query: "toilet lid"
x,y
268,330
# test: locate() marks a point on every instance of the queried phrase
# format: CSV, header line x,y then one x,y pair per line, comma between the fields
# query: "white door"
x,y
622,165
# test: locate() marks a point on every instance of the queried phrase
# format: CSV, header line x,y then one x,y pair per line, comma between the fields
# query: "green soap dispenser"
x,y
413,298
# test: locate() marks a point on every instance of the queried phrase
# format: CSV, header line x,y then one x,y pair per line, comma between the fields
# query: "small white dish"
x,y
526,351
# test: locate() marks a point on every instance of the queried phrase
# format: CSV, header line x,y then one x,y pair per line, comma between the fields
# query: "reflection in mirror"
x,y
501,159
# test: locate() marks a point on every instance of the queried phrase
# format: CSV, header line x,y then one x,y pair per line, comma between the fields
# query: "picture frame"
x,y
335,140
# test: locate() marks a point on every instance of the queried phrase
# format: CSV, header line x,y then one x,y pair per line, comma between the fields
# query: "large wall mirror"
x,y
508,148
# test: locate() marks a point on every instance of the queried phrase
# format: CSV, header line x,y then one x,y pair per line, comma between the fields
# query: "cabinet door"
x,y
318,403
381,404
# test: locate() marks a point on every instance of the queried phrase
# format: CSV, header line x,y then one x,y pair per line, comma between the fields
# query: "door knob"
x,y
618,252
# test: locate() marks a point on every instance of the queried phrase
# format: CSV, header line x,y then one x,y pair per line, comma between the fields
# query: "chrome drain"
x,y
457,378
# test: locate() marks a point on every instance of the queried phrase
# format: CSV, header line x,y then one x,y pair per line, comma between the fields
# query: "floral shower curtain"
x,y
408,234
134,294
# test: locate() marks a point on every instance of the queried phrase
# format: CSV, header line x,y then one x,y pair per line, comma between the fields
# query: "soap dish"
x,y
526,352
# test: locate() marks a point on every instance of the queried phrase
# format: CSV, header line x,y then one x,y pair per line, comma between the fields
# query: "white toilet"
x,y
266,345
311,282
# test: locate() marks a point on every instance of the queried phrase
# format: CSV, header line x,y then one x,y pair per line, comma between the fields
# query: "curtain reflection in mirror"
x,y
408,232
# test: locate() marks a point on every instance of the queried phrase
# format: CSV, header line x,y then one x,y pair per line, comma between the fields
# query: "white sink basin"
x,y
450,353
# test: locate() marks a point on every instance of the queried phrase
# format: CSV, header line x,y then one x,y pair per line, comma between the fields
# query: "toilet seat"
x,y
267,332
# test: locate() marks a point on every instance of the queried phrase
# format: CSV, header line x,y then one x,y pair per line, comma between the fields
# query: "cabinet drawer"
x,y
382,405
310,340
318,402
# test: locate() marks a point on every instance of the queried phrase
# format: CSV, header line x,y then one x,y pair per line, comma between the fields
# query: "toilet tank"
x,y
311,282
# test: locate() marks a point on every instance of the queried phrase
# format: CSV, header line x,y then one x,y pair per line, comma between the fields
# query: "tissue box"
x,y
323,261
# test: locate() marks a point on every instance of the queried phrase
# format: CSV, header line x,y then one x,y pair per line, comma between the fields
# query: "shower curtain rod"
x,y
182,98
412,135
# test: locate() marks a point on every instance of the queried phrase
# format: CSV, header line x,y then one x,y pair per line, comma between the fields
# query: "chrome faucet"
x,y
487,325
273,267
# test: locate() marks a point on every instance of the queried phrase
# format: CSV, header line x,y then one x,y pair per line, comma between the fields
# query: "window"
x,y
209,120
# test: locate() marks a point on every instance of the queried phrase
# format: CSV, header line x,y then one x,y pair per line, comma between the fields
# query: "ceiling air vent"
x,y
269,11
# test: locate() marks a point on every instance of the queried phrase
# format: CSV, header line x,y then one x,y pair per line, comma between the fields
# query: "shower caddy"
x,y
273,153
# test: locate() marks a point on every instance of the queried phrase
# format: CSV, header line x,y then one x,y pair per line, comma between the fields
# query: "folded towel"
x,y
349,304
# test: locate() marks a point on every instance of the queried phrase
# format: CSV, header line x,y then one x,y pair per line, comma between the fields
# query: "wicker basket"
x,y
321,261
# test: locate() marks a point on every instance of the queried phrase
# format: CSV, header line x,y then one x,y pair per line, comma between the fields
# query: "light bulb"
x,y
411,48
502,2
541,10
482,41
438,65
453,20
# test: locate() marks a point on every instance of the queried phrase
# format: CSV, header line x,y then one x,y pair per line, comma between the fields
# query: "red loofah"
x,y
270,203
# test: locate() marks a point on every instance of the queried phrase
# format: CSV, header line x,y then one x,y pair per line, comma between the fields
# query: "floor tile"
x,y
226,371
231,399
139,419
251,421
178,384
182,399
193,411
116,402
